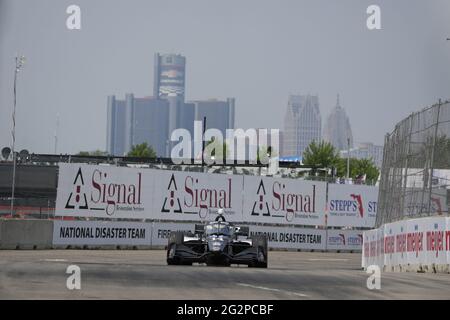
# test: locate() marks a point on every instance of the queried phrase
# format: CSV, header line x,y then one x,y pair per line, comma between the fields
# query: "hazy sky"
x,y
256,51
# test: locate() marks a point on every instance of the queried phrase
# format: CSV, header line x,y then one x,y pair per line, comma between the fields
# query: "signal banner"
x,y
101,233
104,191
284,201
189,196
344,240
352,205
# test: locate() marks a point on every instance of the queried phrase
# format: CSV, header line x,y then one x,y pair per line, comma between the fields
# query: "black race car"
x,y
217,243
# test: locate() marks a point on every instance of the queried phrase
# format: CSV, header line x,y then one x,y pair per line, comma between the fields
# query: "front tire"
x,y
175,239
171,258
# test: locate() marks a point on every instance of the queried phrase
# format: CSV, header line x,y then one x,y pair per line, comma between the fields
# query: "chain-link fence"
x,y
415,176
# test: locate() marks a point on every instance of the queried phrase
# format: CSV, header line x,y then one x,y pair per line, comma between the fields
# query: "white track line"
x,y
327,259
54,260
272,289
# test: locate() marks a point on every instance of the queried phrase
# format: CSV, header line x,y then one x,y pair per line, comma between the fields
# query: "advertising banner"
x,y
156,234
161,231
278,237
104,191
415,242
284,201
436,239
344,240
395,243
292,238
197,196
352,205
370,254
101,233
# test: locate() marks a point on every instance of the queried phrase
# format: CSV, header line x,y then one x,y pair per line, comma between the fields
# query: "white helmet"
x,y
220,211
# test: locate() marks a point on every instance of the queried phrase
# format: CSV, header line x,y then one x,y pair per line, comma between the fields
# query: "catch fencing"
x,y
415,175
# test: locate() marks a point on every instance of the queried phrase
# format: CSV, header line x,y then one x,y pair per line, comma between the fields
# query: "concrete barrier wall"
x,y
26,234
49,234
414,245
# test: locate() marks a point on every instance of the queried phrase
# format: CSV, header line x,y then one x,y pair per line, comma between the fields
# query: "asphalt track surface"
x,y
142,274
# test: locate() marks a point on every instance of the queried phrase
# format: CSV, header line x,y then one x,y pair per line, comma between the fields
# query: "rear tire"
x,y
259,243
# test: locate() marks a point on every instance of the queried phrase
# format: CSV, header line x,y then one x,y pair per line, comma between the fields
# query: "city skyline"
x,y
383,75
154,119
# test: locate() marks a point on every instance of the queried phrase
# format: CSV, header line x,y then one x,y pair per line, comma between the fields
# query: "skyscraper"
x,y
219,114
169,84
337,128
302,124
153,119
136,120
169,76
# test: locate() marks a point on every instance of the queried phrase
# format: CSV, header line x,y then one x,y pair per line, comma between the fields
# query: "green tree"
x,y
217,149
358,167
264,152
142,150
95,153
321,154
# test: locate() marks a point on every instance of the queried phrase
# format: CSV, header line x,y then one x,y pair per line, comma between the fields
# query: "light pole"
x,y
348,158
20,61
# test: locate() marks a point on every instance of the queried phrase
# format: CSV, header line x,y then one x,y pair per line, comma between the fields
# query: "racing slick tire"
x,y
259,243
175,239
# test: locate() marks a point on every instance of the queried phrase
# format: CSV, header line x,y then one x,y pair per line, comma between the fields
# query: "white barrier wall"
x,y
156,234
352,205
418,244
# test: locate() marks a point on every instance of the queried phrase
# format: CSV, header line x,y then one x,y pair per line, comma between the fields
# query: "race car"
x,y
217,243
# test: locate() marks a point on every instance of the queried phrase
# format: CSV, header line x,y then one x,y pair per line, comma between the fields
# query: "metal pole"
x,y
432,157
19,63
56,133
348,158
13,133
203,143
